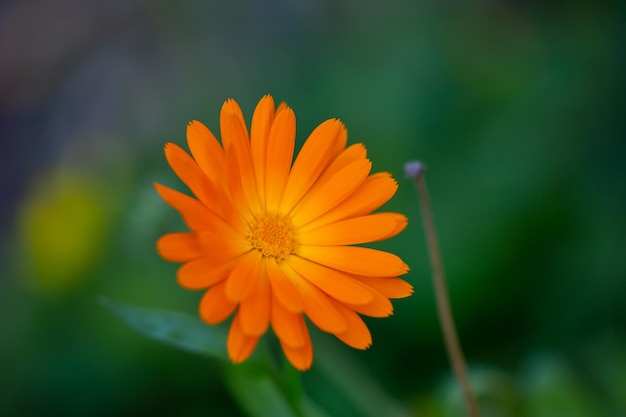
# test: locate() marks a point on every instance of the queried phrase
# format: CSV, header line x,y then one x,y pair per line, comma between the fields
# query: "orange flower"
x,y
273,240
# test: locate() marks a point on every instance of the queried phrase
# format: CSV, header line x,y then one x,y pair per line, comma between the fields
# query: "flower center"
x,y
273,235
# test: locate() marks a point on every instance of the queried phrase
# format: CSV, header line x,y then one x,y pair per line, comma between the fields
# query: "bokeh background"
x,y
517,108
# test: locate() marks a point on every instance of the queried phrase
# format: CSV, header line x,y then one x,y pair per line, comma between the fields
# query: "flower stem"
x,y
416,170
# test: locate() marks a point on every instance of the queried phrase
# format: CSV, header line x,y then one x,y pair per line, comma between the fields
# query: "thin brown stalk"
x,y
415,170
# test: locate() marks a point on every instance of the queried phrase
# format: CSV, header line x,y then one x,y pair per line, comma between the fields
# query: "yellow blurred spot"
x,y
60,229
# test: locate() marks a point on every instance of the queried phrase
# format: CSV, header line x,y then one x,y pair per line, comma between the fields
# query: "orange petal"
x,y
215,307
325,197
230,108
245,171
190,173
221,250
340,144
254,311
356,260
334,283
380,306
206,150
390,287
238,146
355,230
300,357
289,327
375,191
357,335
315,156
202,273
352,153
283,289
281,107
198,217
262,120
401,223
194,213
179,247
240,345
280,146
235,187
317,305
244,277
221,237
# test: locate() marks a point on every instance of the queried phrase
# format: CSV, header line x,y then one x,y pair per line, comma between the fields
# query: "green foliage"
x,y
257,392
171,328
553,390
349,378
257,387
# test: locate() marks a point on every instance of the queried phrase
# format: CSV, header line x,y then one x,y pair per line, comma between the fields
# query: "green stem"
x,y
416,170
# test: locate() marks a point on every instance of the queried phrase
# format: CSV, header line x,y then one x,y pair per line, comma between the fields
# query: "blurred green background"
x,y
516,107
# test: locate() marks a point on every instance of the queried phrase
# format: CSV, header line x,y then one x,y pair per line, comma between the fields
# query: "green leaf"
x,y
552,388
311,409
256,391
290,381
365,393
252,383
261,392
172,328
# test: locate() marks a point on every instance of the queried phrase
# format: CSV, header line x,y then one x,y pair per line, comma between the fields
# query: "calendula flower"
x,y
272,238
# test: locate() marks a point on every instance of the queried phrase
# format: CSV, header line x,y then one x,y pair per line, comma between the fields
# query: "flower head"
x,y
271,238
